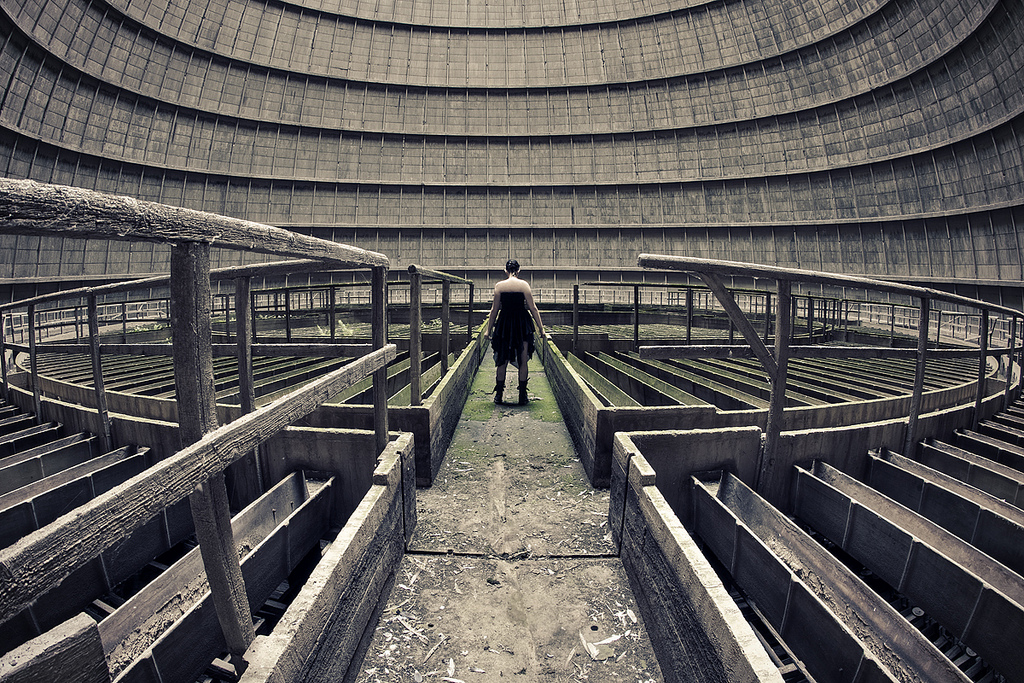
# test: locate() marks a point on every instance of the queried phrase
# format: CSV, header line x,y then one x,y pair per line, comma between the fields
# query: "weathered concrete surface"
x,y
511,567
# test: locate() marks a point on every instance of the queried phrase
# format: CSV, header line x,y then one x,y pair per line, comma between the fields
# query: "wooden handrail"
x,y
727,268
228,273
46,557
31,566
31,208
431,274
775,362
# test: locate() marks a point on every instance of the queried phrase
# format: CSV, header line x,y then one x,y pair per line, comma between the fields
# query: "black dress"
x,y
513,326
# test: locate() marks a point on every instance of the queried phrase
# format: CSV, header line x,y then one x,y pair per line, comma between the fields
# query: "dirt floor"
x,y
512,573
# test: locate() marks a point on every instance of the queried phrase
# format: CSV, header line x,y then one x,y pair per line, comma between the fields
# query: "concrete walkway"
x,y
511,574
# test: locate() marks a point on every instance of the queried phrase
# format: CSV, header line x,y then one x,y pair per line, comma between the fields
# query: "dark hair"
x,y
512,266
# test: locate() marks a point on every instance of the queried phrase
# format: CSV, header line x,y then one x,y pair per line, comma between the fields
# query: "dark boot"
x,y
499,389
523,398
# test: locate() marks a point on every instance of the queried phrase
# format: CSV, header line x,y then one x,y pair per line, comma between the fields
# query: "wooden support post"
x,y
243,339
446,321
919,370
767,316
3,359
37,398
124,322
333,315
246,474
777,397
636,317
938,328
982,366
794,310
97,373
689,314
469,317
378,318
197,416
287,315
575,318
810,319
1007,398
415,338
892,325
1020,364
740,321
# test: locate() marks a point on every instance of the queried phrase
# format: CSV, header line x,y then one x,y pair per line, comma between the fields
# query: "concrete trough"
x,y
168,631
593,421
696,629
432,422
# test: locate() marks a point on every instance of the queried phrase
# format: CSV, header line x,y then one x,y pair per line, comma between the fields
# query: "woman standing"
x,y
510,330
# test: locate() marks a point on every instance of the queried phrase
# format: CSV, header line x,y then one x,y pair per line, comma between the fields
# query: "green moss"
x,y
543,406
480,402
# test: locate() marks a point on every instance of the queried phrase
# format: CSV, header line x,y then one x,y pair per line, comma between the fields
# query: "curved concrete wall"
x,y
879,138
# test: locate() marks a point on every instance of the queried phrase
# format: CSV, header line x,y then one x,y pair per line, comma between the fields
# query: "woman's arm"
x,y
495,305
534,312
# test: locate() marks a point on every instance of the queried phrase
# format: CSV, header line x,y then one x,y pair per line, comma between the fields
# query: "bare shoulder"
x,y
512,285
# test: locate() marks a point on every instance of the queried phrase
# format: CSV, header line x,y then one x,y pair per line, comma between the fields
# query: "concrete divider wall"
x,y
696,629
579,407
594,425
677,454
432,423
320,633
71,651
344,453
335,451
445,405
133,417
845,448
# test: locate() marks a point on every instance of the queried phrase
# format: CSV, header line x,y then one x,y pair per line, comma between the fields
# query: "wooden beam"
x,y
379,330
247,475
43,559
736,268
197,416
31,208
726,351
446,321
982,367
97,373
415,338
243,344
777,397
725,298
438,275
